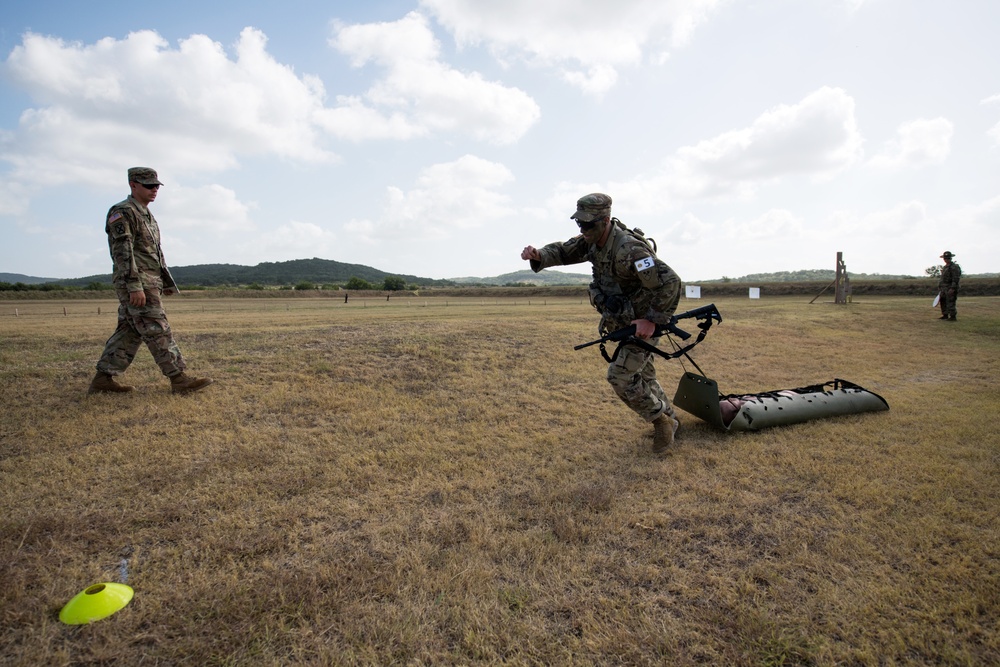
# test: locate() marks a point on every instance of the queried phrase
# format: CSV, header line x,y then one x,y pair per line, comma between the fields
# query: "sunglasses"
x,y
586,226
149,187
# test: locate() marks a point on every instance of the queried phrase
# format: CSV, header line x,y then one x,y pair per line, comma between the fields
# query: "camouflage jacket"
x,y
134,241
951,273
630,281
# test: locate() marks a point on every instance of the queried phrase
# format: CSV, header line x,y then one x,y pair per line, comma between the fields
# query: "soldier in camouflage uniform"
x,y
141,279
951,274
631,286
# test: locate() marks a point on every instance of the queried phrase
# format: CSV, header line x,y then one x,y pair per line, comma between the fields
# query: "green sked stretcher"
x,y
751,412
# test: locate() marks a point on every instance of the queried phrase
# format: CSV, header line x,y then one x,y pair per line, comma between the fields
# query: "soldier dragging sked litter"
x,y
631,286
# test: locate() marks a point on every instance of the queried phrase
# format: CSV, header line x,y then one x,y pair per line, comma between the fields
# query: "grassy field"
x,y
445,481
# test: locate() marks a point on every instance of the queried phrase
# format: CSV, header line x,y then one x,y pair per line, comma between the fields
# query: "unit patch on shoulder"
x,y
119,229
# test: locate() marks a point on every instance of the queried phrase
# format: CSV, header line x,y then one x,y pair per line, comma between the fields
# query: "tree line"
x,y
388,284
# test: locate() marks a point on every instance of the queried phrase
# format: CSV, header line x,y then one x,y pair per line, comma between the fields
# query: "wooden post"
x,y
838,295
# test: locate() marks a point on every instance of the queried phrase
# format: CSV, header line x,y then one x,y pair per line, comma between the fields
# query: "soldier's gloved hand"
x,y
614,306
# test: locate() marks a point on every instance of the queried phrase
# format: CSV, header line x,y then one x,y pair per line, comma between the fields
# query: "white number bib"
x,y
644,263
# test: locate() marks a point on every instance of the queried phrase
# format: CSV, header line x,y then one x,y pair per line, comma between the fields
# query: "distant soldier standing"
x,y
631,286
951,273
141,278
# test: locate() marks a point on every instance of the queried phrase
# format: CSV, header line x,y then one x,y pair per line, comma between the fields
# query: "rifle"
x,y
626,335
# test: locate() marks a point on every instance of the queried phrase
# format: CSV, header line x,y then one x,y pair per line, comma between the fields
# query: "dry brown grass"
x,y
448,482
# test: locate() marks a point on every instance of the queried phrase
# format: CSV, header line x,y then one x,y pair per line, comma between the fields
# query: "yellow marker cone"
x,y
95,602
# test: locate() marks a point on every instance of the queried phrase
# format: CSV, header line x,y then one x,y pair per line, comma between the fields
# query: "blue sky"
x,y
439,137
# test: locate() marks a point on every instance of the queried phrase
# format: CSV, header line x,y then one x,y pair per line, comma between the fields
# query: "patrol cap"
x,y
592,207
143,175
948,254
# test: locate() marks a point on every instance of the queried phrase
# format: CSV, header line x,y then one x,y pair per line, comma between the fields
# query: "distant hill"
x,y
27,280
319,271
326,271
529,277
811,275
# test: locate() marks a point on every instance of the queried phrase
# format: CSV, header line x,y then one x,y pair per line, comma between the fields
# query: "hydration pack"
x,y
636,234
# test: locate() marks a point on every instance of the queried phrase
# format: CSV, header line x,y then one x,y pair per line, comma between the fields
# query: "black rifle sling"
x,y
638,342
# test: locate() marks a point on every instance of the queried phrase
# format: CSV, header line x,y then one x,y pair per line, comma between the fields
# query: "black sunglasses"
x,y
586,226
155,186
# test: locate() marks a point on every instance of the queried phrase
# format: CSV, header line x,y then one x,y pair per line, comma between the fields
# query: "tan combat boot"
x,y
664,428
104,383
185,384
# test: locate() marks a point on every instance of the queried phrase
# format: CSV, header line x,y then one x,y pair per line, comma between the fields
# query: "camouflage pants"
x,y
633,377
947,302
136,325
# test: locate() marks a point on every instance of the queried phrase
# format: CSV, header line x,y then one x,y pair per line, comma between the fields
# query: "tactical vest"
x,y
617,308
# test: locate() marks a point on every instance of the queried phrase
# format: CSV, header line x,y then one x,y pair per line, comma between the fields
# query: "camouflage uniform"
x,y
134,241
951,274
630,283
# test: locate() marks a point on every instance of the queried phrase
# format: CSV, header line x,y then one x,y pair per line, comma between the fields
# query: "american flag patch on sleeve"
x,y
114,216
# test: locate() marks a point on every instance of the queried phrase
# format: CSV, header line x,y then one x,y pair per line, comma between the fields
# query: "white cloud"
x,y
587,42
209,210
193,108
137,100
419,93
293,240
689,230
909,236
816,137
462,194
854,5
982,218
909,217
775,224
13,198
903,229
994,132
595,81
917,143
